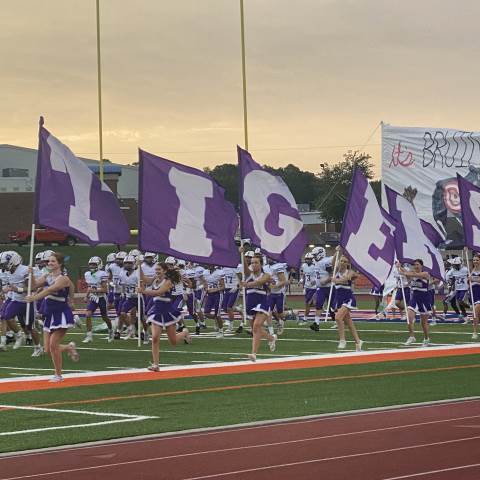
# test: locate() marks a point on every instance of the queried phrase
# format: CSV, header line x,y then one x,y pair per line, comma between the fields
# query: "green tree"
x,y
335,181
226,175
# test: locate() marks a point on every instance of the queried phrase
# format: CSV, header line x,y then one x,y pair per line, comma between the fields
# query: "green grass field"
x,y
119,410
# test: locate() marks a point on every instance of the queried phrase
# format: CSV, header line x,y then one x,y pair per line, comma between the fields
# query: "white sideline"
x,y
246,362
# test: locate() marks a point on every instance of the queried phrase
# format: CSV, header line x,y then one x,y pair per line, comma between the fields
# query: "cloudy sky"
x,y
321,75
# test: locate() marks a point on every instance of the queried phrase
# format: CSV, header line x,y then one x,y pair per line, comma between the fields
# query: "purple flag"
x,y
414,238
73,200
470,209
268,212
183,212
368,232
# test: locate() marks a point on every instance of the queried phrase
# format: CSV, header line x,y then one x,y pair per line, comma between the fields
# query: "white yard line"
x,y
120,418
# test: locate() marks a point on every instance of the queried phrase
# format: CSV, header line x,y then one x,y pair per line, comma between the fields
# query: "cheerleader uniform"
x,y
402,280
161,313
419,296
58,313
475,276
344,296
257,301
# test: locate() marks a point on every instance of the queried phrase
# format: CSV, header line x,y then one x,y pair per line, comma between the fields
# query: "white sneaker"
x,y
272,344
466,321
146,338
88,338
252,357
110,336
475,336
410,340
334,326
342,344
72,352
78,322
281,327
358,346
37,351
19,340
426,342
219,334
433,321
56,379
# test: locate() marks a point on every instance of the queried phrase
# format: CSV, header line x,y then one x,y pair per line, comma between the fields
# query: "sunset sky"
x,y
321,75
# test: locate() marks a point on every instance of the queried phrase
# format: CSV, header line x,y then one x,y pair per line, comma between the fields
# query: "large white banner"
x,y
422,164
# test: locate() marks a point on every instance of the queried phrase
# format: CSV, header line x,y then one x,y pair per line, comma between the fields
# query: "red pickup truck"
x,y
42,235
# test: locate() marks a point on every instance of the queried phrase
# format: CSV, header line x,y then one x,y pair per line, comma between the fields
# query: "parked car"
x,y
42,235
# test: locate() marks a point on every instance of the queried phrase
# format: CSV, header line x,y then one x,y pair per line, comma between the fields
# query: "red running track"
x,y
433,442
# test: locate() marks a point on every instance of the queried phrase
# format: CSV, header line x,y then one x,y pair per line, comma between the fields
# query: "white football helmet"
x,y
10,259
151,255
129,259
120,256
319,253
170,261
257,251
455,261
134,253
250,254
111,257
47,254
180,263
97,261
39,257
309,257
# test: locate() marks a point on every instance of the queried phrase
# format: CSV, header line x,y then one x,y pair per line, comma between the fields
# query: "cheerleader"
x,y
256,285
419,300
162,316
344,302
214,285
475,281
58,312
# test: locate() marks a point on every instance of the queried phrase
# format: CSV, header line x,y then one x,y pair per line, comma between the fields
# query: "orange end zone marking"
x,y
227,369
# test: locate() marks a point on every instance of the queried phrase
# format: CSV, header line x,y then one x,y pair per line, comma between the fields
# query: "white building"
x,y
18,167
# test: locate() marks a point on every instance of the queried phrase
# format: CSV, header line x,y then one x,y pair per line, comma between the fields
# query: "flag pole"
x,y
245,133
139,306
469,281
99,90
331,286
29,284
244,75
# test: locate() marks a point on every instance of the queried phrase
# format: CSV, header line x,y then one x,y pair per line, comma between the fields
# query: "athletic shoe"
x,y
219,334
19,340
56,379
466,321
252,357
88,338
110,336
116,335
188,337
130,334
272,344
72,352
197,330
78,322
358,346
410,340
37,351
281,327
153,368
334,326
146,338
203,326
433,321
315,327
239,329
475,336
29,341
342,344
426,342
